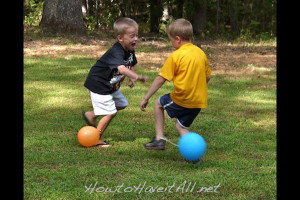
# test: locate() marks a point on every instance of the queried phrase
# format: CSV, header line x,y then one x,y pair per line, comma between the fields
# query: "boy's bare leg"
x,y
90,115
159,120
104,122
102,125
182,131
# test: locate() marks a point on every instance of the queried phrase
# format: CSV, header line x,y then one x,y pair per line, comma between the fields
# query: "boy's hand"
x,y
130,82
143,105
143,79
157,83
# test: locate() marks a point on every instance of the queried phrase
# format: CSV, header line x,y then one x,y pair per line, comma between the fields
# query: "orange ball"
x,y
88,136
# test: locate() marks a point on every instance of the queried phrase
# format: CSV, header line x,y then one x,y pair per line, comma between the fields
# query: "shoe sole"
x,y
155,148
194,162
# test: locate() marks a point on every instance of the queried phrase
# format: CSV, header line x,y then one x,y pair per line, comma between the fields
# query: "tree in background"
x,y
156,11
199,15
63,16
212,18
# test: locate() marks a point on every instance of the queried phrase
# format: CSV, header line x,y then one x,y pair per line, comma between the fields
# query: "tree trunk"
x,y
85,10
199,17
155,15
122,6
218,16
179,11
233,16
63,16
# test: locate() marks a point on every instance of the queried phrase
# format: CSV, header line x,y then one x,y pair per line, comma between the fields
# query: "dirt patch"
x,y
240,59
54,48
231,59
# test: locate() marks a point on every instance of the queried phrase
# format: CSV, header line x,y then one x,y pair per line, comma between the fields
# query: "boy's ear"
x,y
178,39
120,38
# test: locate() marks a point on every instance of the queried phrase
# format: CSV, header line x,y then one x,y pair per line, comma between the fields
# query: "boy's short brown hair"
x,y
122,24
182,28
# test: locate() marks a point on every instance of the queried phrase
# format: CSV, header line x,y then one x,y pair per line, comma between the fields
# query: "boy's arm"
x,y
207,69
157,83
207,79
131,74
131,82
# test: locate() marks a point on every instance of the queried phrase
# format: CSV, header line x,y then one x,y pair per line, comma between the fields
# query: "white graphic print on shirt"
x,y
118,78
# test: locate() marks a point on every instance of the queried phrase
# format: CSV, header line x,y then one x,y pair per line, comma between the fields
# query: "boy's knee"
x,y
112,115
157,104
181,129
178,127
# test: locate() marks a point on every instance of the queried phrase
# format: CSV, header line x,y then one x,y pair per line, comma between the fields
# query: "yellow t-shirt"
x,y
188,68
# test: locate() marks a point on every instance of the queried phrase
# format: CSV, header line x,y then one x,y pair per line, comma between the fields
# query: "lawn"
x,y
239,126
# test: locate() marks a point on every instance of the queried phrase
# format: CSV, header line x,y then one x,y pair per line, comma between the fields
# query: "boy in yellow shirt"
x,y
188,68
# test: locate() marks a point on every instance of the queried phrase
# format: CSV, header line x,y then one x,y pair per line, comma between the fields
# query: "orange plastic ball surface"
x,y
88,136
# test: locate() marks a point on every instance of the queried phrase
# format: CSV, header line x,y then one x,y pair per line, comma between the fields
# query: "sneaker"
x,y
199,161
155,144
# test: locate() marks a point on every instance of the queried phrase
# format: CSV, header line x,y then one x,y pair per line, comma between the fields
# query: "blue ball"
x,y
192,146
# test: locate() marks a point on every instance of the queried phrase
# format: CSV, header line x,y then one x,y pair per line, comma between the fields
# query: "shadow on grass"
x,y
238,126
54,95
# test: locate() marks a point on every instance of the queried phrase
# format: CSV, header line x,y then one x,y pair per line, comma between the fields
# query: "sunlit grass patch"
x,y
239,126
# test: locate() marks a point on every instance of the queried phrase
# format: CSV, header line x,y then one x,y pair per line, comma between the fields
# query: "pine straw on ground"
x,y
224,57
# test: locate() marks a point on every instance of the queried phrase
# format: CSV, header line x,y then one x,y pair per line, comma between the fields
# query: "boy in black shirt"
x,y
107,75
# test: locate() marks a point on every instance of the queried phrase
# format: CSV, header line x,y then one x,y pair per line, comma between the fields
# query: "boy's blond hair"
x,y
182,28
122,24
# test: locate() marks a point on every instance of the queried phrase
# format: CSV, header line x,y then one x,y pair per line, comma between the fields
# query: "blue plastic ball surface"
x,y
192,146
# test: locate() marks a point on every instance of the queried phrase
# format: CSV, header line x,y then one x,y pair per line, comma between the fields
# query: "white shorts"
x,y
107,104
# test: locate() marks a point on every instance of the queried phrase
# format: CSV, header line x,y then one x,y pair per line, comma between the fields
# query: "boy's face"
x,y
129,39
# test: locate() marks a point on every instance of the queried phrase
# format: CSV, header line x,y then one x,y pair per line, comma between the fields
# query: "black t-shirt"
x,y
104,77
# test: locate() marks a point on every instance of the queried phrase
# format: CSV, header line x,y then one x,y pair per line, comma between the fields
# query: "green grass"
x,y
239,127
